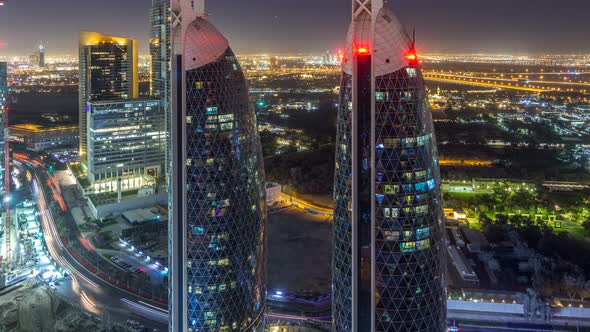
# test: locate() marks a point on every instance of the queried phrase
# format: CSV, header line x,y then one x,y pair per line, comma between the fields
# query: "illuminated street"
x,y
84,287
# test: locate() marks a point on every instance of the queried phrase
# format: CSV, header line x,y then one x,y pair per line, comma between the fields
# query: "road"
x,y
305,205
102,297
508,83
463,328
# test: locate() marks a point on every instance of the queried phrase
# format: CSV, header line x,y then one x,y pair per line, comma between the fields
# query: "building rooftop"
x,y
40,129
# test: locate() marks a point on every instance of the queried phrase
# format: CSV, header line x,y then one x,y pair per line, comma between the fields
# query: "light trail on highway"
x,y
508,83
103,298
52,237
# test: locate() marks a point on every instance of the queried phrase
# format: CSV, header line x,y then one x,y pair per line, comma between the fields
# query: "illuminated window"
x,y
226,117
408,142
422,186
412,72
431,184
423,245
390,142
421,210
211,110
227,126
423,233
408,247
391,212
189,119
391,235
199,85
408,235
390,189
421,175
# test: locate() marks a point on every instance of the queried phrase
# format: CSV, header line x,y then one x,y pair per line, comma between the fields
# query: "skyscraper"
x,y
160,48
388,233
4,165
3,114
217,198
108,71
41,55
160,60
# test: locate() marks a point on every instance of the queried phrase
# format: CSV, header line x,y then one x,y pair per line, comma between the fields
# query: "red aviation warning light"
x,y
362,50
412,58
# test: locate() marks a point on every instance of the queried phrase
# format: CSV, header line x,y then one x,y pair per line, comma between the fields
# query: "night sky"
x,y
516,26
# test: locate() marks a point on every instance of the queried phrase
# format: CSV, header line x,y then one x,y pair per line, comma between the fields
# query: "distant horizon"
x,y
50,56
305,26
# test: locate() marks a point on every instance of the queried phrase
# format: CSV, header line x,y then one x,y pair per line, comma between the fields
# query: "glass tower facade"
x,y
160,48
388,234
108,71
125,140
160,61
217,197
3,115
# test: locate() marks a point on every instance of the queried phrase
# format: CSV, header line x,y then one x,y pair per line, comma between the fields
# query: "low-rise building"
x,y
40,138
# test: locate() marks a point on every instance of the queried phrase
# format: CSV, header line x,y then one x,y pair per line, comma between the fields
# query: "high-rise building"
x,y
38,57
388,236
108,71
41,63
160,60
217,198
5,249
160,48
125,143
3,114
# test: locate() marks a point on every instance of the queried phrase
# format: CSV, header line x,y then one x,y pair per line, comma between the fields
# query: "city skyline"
x,y
360,166
458,27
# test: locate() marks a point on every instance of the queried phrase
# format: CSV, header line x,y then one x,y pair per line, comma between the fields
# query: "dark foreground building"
x,y
388,232
217,200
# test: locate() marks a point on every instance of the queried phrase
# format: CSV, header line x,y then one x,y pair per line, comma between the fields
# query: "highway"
x,y
521,84
86,288
472,328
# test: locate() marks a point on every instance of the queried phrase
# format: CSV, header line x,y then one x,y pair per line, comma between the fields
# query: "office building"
x,y
160,60
388,232
160,48
108,71
125,143
217,199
